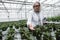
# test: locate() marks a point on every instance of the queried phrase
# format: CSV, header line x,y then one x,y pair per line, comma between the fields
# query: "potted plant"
x,y
10,25
23,23
16,26
47,36
10,35
58,33
25,34
0,35
4,27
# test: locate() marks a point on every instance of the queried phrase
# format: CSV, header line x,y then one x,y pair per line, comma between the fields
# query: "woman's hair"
x,y
36,2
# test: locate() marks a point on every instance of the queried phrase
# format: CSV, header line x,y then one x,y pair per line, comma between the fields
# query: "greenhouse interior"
x,y
14,15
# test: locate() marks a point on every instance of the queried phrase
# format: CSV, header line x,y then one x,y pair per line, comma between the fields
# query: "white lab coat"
x,y
35,18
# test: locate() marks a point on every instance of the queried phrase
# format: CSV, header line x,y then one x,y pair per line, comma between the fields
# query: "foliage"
x,y
23,23
10,35
25,34
56,18
24,31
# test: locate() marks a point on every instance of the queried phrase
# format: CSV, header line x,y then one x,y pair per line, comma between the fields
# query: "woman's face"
x,y
36,7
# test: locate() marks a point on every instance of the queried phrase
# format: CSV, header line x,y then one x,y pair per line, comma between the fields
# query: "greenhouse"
x,y
14,17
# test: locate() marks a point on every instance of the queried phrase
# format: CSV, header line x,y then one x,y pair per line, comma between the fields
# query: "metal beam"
x,y
44,1
51,5
6,10
2,8
27,3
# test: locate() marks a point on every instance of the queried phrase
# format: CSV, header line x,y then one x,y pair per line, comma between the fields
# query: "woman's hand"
x,y
31,28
